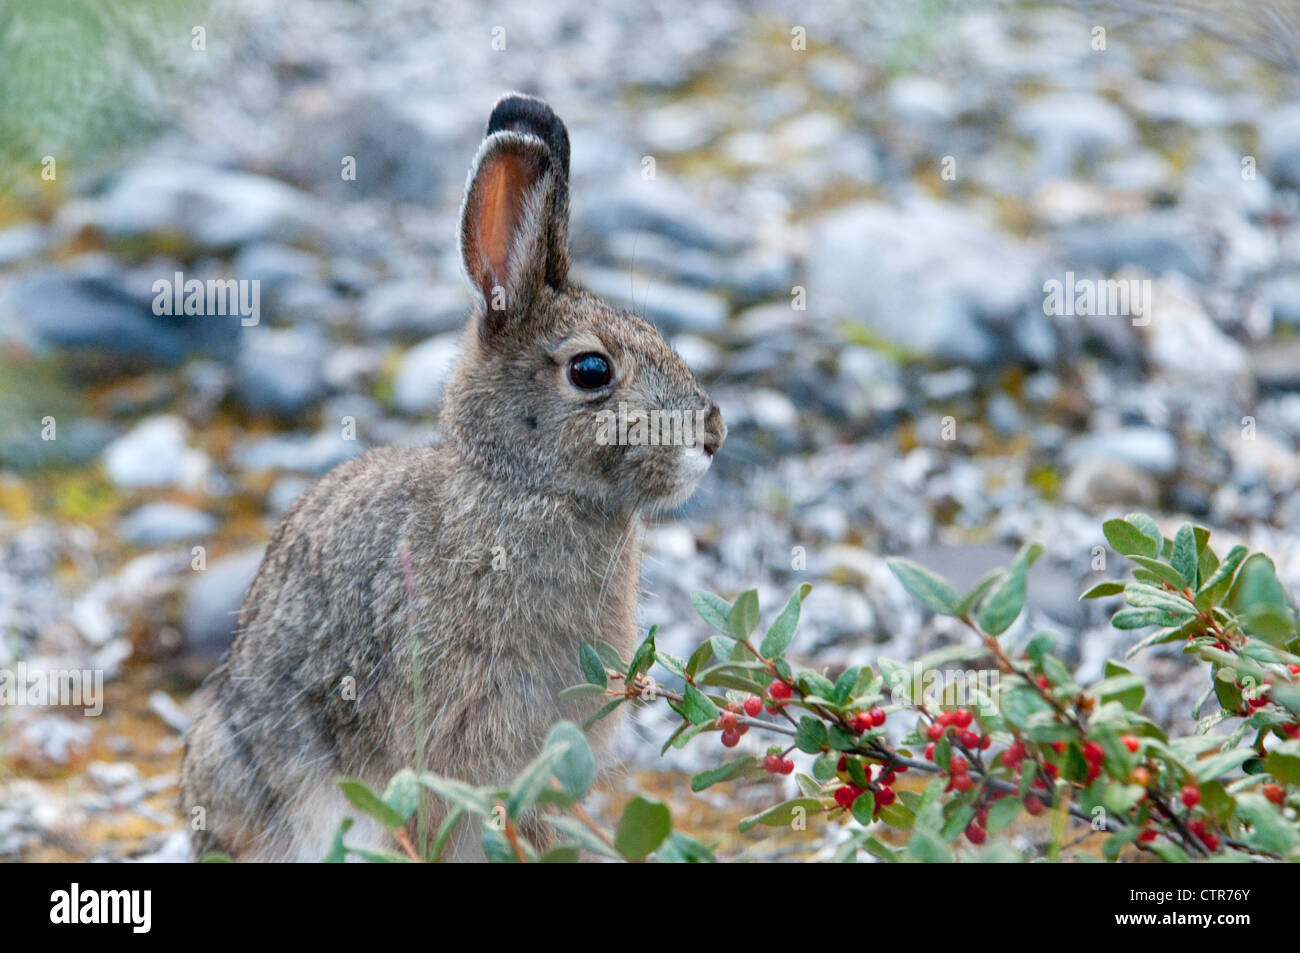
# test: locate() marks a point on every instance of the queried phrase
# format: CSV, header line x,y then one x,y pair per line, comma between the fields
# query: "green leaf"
x,y
579,692
593,669
370,803
968,601
1283,762
1120,685
864,808
644,656
1002,813
1143,617
561,854
811,737
576,829
743,617
1224,573
1216,765
645,825
699,708
576,769
1103,589
403,793
931,588
683,849
781,634
1004,602
536,776
1162,571
725,772
603,713
712,609
1127,540
1184,557
338,852
1142,595
782,814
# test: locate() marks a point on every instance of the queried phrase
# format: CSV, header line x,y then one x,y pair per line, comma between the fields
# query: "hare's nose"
x,y
715,429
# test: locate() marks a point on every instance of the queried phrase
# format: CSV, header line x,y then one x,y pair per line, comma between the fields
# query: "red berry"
x,y
727,721
772,707
962,718
929,751
934,732
969,739
1043,682
958,765
946,717
885,797
986,742
843,763
753,705
982,815
787,766
962,782
778,689
1058,747
846,795
771,764
730,738
1131,743
1147,836
887,777
1034,805
1197,827
1094,772
741,729
861,722
877,716
1210,840
1293,669
1275,793
976,834
1191,795
1052,770
900,768
1093,752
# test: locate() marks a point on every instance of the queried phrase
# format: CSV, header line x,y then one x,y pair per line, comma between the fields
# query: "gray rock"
x,y
21,241
298,453
919,276
1067,126
1096,483
412,310
156,453
656,206
424,371
671,308
214,208
1148,449
274,265
156,524
1279,138
95,317
279,372
1276,364
1157,243
212,602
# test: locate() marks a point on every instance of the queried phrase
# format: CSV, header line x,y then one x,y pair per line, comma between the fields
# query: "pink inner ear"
x,y
502,189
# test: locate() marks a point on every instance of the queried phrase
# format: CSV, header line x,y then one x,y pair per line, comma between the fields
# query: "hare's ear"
x,y
503,233
517,112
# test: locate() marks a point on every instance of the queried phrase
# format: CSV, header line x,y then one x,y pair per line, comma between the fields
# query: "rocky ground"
x,y
848,242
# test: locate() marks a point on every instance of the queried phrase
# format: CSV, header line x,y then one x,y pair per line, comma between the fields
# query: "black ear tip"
x,y
521,113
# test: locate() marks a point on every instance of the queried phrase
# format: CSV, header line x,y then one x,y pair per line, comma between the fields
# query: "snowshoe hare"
x,y
481,563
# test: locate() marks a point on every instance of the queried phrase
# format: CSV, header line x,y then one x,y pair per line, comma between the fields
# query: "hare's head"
x,y
557,390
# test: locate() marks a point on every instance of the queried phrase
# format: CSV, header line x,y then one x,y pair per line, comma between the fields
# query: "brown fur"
x,y
482,563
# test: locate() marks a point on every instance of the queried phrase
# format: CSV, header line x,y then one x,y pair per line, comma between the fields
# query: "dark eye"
x,y
590,371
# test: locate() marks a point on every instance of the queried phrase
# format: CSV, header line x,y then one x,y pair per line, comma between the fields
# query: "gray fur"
x,y
482,563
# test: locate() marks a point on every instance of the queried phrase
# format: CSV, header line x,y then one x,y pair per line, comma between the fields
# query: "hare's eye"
x,y
590,371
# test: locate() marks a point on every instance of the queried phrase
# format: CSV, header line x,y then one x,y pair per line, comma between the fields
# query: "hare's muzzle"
x,y
715,429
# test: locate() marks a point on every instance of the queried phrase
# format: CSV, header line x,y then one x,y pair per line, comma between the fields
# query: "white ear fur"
x,y
504,282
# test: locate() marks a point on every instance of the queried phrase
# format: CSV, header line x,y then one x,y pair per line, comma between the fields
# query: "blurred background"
x,y
844,218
